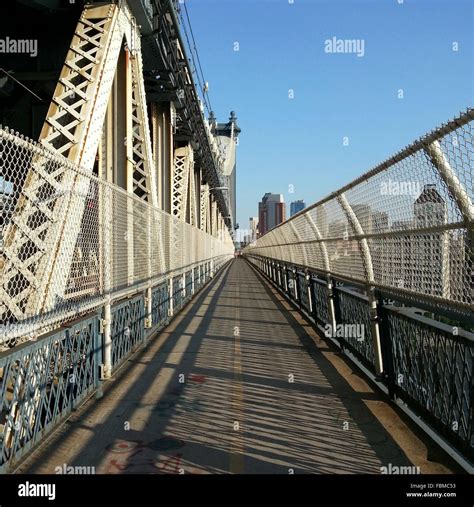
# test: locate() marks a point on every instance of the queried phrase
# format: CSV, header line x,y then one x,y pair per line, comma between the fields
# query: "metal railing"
x,y
427,364
385,267
42,382
112,246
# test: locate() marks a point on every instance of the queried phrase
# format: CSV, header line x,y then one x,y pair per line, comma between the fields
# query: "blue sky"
x,y
299,141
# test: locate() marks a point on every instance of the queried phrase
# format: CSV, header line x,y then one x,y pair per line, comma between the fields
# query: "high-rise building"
x,y
431,250
297,206
253,228
422,261
271,212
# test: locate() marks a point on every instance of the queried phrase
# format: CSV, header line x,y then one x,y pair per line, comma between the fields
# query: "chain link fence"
x,y
406,226
68,240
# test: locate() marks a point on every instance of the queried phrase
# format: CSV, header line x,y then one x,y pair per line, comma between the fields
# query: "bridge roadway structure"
x,y
132,340
239,382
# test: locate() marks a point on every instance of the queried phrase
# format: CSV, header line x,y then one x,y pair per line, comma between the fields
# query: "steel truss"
x,y
58,245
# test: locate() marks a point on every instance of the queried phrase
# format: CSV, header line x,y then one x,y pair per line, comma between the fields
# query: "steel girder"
x,y
204,222
165,57
41,239
183,168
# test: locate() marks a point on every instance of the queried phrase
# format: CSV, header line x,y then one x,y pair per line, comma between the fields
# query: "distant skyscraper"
x,y
296,206
271,212
253,228
431,250
420,261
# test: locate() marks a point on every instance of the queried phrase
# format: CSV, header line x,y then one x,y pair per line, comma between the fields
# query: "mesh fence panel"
x,y
405,226
68,239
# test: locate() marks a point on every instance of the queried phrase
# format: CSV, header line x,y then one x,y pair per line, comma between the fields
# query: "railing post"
x,y
387,353
192,281
290,282
374,322
308,290
148,306
367,258
98,351
312,290
171,302
107,328
336,308
296,283
333,303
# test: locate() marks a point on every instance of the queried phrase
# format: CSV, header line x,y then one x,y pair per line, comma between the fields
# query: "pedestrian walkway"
x,y
237,383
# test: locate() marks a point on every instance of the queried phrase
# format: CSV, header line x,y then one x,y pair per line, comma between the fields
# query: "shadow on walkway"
x,y
233,384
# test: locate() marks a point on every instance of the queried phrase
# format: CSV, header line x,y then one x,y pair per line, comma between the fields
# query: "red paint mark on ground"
x,y
125,446
196,378
168,464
